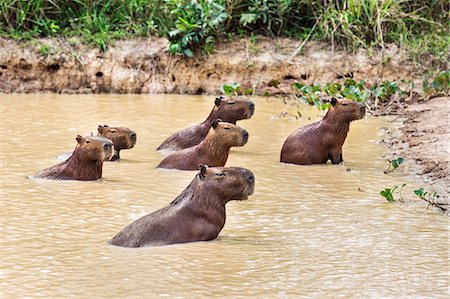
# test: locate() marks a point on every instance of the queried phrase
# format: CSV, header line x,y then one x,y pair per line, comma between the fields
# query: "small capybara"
x,y
197,214
122,138
318,142
213,150
228,110
85,163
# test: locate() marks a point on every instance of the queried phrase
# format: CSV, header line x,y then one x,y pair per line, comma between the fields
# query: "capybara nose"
x,y
251,106
245,136
362,109
133,137
250,177
107,146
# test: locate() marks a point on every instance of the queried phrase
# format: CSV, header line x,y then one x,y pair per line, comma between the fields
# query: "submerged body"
x,y
85,163
228,110
213,150
321,141
197,214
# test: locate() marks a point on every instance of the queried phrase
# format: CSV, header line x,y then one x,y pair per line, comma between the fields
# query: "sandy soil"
x,y
422,137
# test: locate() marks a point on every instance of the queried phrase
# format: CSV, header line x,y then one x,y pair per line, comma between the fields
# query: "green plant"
x,y
394,164
44,49
440,83
195,23
388,193
430,198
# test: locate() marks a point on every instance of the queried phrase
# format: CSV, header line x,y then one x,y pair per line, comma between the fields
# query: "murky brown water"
x,y
306,232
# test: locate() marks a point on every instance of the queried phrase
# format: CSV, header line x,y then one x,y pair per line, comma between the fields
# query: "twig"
x,y
305,40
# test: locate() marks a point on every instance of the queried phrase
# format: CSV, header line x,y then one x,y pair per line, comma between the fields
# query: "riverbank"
x,y
266,65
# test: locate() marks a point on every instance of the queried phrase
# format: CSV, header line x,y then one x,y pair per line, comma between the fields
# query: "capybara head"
x,y
94,148
347,110
228,133
231,183
122,138
233,109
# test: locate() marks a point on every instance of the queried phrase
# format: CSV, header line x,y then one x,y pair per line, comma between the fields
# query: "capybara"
x,y
197,214
85,163
318,142
122,138
228,110
213,150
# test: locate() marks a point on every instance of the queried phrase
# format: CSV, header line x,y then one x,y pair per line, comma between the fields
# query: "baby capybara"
x,y
197,214
85,163
321,141
122,138
213,150
228,110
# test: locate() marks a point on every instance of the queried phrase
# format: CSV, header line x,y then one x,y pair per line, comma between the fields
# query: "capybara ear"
x,y
333,102
215,123
203,169
218,101
105,126
79,139
100,129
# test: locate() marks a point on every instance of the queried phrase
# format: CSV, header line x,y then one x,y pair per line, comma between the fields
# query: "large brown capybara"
x,y
213,150
318,142
122,138
197,214
85,163
228,110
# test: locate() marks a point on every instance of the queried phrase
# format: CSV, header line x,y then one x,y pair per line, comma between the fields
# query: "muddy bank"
x,y
422,137
144,66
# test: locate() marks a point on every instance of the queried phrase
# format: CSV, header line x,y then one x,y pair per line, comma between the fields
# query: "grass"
x,y
419,26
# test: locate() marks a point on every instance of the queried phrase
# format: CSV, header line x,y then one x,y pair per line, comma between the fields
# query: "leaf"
x,y
226,89
188,53
387,193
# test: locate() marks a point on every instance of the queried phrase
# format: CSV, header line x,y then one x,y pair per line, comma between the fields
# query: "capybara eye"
x,y
113,131
88,141
220,174
344,104
231,103
226,128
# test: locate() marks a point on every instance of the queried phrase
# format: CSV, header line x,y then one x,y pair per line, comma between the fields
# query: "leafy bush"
x,y
196,24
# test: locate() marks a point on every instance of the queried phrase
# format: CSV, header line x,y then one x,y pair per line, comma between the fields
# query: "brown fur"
x,y
197,214
122,138
213,150
318,142
85,163
228,110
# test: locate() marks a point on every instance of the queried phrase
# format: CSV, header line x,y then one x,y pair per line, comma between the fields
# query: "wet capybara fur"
x,y
213,150
228,110
321,141
122,138
197,214
85,163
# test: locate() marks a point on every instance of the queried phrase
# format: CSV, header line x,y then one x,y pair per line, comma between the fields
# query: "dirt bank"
x,y
144,66
422,137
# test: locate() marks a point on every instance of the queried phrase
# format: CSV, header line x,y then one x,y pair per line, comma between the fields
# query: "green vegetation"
x,y
394,164
192,25
388,193
430,198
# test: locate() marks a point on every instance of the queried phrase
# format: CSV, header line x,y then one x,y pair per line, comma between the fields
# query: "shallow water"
x,y
308,231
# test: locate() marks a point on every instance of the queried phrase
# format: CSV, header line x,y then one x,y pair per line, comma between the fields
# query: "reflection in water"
x,y
307,231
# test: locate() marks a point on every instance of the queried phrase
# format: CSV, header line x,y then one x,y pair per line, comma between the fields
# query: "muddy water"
x,y
307,231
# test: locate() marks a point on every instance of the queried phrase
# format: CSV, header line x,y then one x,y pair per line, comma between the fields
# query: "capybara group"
x,y
213,150
122,138
85,163
321,141
228,110
197,214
